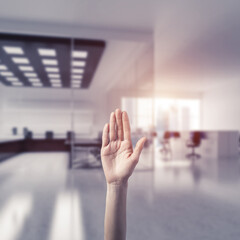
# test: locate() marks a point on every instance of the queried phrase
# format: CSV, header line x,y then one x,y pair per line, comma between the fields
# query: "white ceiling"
x,y
122,25
197,43
125,14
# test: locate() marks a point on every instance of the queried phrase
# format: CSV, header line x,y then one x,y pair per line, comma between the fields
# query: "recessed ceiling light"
x,y
77,70
30,74
76,81
53,75
20,60
34,80
52,69
26,68
3,67
49,62
35,84
76,76
17,83
56,85
6,74
12,79
13,50
76,86
55,80
47,52
79,54
78,63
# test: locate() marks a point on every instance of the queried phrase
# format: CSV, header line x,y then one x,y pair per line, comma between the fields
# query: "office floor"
x,y
41,200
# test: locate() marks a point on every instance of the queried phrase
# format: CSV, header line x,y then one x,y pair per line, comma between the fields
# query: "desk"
x,y
81,145
10,147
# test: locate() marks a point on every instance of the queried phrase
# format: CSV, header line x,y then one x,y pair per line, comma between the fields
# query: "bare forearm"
x,y
115,214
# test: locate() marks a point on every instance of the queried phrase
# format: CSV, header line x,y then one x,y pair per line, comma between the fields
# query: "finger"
x,y
126,127
138,149
118,114
112,127
105,137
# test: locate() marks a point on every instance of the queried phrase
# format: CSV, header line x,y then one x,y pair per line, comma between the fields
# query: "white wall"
x,y
220,107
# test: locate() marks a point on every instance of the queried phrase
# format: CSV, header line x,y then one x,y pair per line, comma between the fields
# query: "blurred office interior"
x,y
173,66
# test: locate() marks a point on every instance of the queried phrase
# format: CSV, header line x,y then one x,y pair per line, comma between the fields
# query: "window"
x,y
140,111
169,114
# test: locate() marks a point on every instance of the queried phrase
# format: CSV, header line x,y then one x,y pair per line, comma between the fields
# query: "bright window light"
x,y
51,69
76,76
79,54
17,83
30,74
54,75
26,68
19,60
13,50
35,84
6,74
12,79
47,52
3,67
77,70
55,80
49,62
78,63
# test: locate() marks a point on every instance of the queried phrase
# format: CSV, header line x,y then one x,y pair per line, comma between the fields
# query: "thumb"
x,y
138,149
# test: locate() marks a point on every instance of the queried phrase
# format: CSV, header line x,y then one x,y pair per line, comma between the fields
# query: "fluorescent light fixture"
x,y
77,70
17,83
49,62
6,74
52,69
26,68
47,52
76,86
78,63
55,80
3,67
19,60
79,54
13,50
76,81
56,85
34,80
76,76
30,74
36,84
53,75
12,79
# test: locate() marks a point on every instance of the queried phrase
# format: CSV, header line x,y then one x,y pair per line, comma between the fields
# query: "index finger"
x,y
126,127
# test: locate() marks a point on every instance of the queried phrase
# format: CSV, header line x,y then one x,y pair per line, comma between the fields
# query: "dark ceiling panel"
x,y
69,62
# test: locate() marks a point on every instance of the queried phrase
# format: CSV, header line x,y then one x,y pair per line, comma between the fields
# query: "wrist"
x,y
117,186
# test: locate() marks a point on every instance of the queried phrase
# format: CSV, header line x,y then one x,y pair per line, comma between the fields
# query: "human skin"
x,y
118,160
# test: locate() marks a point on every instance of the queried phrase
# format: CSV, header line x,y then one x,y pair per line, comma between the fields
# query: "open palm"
x,y
118,157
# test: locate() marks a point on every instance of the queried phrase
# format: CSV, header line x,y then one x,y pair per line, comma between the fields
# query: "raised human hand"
x,y
118,157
